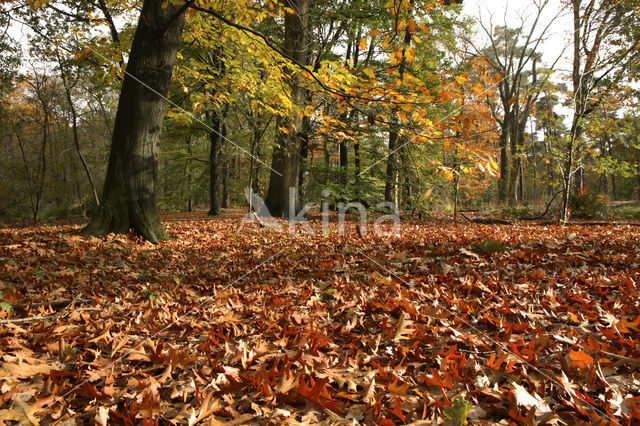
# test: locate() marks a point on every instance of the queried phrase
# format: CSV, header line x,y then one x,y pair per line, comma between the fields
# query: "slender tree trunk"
x,y
390,183
579,180
76,142
614,190
304,151
356,161
188,175
282,195
534,154
252,161
344,163
638,178
520,180
505,163
129,195
225,185
406,186
215,140
576,127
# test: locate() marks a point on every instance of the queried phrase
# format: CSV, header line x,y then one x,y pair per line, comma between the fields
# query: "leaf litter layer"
x,y
528,323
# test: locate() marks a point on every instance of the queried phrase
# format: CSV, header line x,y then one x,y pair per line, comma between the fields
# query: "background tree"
x,y
604,45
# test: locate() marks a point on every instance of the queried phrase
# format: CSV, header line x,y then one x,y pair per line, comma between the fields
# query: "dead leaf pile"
x,y
320,328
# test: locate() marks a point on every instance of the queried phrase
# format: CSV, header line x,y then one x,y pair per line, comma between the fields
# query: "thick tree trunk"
x,y
282,195
129,194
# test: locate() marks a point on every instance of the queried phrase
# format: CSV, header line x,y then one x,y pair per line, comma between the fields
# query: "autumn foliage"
x,y
229,325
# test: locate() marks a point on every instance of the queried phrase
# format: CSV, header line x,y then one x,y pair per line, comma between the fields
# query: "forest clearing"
x,y
319,212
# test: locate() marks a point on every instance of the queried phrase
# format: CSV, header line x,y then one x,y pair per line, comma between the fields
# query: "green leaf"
x,y
456,415
6,306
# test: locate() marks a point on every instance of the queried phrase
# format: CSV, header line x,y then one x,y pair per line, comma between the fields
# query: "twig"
x,y
547,209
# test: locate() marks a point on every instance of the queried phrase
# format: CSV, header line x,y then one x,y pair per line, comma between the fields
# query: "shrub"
x,y
585,205
628,212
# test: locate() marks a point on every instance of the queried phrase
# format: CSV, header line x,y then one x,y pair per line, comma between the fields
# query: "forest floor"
x,y
228,324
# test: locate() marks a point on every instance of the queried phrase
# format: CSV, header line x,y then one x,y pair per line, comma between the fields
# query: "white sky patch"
x,y
513,13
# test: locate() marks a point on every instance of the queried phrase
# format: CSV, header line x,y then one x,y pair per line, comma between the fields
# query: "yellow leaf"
x,y
460,79
448,174
410,55
369,73
402,24
362,44
283,130
398,55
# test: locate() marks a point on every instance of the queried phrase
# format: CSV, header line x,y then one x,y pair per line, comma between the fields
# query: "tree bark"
x,y
286,155
129,194
638,177
225,184
390,183
344,163
189,175
215,139
505,160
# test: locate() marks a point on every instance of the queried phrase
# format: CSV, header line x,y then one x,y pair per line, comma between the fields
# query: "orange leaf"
x,y
580,359
397,409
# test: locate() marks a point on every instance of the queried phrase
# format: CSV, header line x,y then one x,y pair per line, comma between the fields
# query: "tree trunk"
x,y
520,180
188,175
225,184
638,177
76,142
390,183
344,163
535,166
614,189
304,150
503,183
282,195
215,138
129,194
